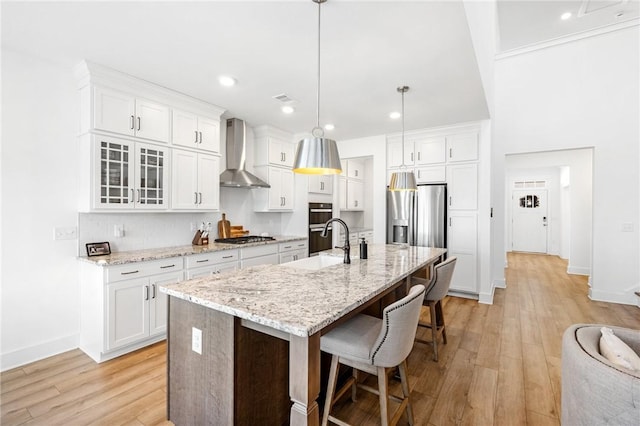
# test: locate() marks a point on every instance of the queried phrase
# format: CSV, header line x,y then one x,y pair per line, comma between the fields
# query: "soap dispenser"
x,y
363,249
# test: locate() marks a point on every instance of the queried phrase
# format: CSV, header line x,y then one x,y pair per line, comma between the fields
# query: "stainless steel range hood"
x,y
235,176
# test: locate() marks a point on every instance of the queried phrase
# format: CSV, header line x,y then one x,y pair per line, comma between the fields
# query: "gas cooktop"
x,y
244,240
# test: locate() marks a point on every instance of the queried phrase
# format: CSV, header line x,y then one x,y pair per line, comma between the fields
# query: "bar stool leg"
x,y
331,387
434,329
383,389
405,390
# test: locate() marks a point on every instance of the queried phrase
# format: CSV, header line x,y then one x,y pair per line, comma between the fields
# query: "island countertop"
x,y
302,302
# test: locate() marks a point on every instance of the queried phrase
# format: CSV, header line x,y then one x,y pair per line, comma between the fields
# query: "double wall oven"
x,y
319,214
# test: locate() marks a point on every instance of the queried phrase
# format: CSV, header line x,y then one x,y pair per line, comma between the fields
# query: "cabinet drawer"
x,y
204,259
293,245
143,269
264,250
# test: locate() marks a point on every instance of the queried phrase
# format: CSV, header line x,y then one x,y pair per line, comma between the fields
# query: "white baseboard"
x,y
578,270
625,298
35,353
501,283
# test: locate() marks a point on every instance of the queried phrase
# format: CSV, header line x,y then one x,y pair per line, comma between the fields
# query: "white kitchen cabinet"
x,y
462,186
137,309
195,131
120,174
355,195
266,254
293,250
429,151
121,306
211,263
280,196
462,147
119,112
430,174
462,242
195,181
394,153
321,184
273,151
355,168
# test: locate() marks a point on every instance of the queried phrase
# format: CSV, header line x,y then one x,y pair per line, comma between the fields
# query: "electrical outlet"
x,y
627,227
68,233
196,340
118,231
194,226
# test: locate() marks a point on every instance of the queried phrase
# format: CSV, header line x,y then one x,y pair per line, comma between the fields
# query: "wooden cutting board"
x,y
224,227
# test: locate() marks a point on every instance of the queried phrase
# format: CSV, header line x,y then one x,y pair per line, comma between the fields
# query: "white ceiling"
x,y
368,49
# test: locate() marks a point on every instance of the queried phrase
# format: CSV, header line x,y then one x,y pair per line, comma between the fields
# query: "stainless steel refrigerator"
x,y
418,218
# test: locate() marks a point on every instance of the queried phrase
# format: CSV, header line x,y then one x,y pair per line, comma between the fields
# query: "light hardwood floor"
x,y
501,365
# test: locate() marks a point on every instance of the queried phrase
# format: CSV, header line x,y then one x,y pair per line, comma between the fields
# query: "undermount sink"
x,y
314,263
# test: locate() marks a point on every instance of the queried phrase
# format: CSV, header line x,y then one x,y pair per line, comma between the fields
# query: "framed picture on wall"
x,y
98,249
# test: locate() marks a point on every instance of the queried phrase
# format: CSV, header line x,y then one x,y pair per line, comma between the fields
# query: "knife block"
x,y
199,239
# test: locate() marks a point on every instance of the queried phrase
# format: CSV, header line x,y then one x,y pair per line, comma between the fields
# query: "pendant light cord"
x,y
320,132
402,90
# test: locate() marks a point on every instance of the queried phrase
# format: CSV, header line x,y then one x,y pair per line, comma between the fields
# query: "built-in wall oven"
x,y
319,214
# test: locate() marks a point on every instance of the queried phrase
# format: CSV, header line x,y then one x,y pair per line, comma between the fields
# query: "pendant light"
x,y
317,155
403,180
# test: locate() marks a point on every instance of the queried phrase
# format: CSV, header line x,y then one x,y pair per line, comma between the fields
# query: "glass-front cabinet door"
x,y
131,175
151,175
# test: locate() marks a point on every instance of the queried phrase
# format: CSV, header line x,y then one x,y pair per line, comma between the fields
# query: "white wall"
x,y
40,295
574,95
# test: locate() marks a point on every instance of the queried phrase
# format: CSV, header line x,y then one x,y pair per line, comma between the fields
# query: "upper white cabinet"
x,y
195,183
121,118
195,131
462,147
321,184
351,194
122,174
429,151
280,196
418,151
118,112
273,163
274,151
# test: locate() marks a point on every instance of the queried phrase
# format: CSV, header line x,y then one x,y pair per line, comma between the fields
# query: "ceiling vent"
x,y
283,98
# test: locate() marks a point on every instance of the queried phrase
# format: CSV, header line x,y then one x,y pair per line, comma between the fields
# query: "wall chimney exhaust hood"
x,y
235,176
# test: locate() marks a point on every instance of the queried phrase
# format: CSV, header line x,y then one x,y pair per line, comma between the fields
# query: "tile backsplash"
x,y
140,230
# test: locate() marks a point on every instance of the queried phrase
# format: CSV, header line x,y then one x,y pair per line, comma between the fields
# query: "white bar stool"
x,y
374,345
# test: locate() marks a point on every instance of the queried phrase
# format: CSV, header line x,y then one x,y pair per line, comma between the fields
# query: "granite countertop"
x,y
124,257
302,302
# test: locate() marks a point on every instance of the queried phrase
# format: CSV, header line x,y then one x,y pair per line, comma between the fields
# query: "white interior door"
x,y
529,215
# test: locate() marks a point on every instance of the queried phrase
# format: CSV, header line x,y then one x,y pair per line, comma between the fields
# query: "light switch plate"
x,y
627,227
196,340
65,233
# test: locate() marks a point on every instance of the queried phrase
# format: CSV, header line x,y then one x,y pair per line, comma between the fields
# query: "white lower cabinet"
x,y
205,264
293,250
462,243
259,255
122,308
137,309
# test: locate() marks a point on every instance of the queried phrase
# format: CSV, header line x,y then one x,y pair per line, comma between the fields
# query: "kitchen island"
x,y
244,347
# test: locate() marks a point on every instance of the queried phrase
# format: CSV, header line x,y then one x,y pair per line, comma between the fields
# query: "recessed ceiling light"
x,y
395,115
287,109
565,16
329,126
227,81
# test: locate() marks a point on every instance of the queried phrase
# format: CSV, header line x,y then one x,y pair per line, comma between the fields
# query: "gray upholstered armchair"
x,y
595,391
